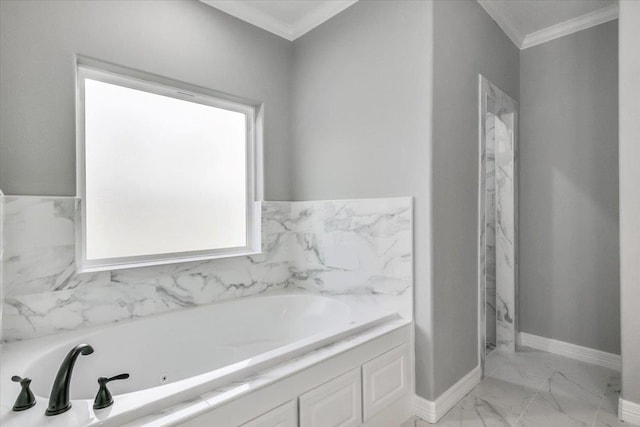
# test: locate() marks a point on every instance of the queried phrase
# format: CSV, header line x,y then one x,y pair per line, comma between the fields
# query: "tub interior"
x,y
172,347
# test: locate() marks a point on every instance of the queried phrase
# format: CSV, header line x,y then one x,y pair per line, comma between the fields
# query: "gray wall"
x,y
183,40
362,102
467,42
569,269
630,197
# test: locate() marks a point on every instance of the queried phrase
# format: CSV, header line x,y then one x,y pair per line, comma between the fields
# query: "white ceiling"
x,y
287,18
531,22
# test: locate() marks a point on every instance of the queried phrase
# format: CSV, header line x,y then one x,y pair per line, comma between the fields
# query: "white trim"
x,y
503,22
109,73
571,26
248,13
322,13
552,32
433,411
425,409
629,411
573,351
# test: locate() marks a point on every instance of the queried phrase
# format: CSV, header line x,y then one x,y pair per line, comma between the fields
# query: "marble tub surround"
x,y
334,237
45,295
40,246
344,247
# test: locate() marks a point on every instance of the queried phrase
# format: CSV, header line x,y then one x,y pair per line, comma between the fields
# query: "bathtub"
x,y
174,357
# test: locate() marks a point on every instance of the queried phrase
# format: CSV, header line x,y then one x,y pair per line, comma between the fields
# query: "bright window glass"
x,y
162,175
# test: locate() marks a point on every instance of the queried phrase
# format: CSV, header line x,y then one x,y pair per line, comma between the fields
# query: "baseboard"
x,y
573,351
432,411
425,409
629,411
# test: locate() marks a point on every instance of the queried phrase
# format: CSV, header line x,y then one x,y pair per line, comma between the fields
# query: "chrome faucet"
x,y
59,398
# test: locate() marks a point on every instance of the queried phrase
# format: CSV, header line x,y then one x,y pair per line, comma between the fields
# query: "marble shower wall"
x,y
504,236
359,247
1,264
490,233
497,273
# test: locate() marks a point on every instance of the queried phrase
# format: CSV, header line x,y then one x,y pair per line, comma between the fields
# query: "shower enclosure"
x,y
497,232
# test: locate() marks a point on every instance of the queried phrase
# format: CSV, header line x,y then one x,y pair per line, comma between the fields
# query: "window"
x,y
165,174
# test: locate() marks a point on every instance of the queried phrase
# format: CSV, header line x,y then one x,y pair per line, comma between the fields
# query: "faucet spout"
x,y
59,398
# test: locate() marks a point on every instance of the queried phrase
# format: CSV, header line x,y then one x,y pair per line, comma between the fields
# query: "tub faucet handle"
x,y
25,399
104,398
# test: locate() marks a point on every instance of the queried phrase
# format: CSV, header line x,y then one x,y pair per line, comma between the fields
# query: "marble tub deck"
x,y
537,389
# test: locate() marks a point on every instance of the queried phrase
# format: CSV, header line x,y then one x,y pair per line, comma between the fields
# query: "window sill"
x,y
174,260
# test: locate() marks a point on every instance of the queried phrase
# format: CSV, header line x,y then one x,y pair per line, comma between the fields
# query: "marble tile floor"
x,y
537,389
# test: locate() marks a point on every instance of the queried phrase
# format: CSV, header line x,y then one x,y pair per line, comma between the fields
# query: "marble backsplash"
x,y
345,247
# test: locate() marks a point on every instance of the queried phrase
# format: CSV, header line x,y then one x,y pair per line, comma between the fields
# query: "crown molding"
x,y
503,22
245,12
524,41
321,14
253,16
571,26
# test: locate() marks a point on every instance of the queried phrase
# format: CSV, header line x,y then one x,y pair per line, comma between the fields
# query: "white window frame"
x,y
95,70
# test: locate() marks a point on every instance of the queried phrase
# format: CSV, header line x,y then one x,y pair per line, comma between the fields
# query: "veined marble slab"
x,y
344,247
497,213
39,251
490,232
2,200
505,234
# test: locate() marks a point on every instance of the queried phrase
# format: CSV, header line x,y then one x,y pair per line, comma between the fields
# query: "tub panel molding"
x,y
344,247
283,416
238,403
